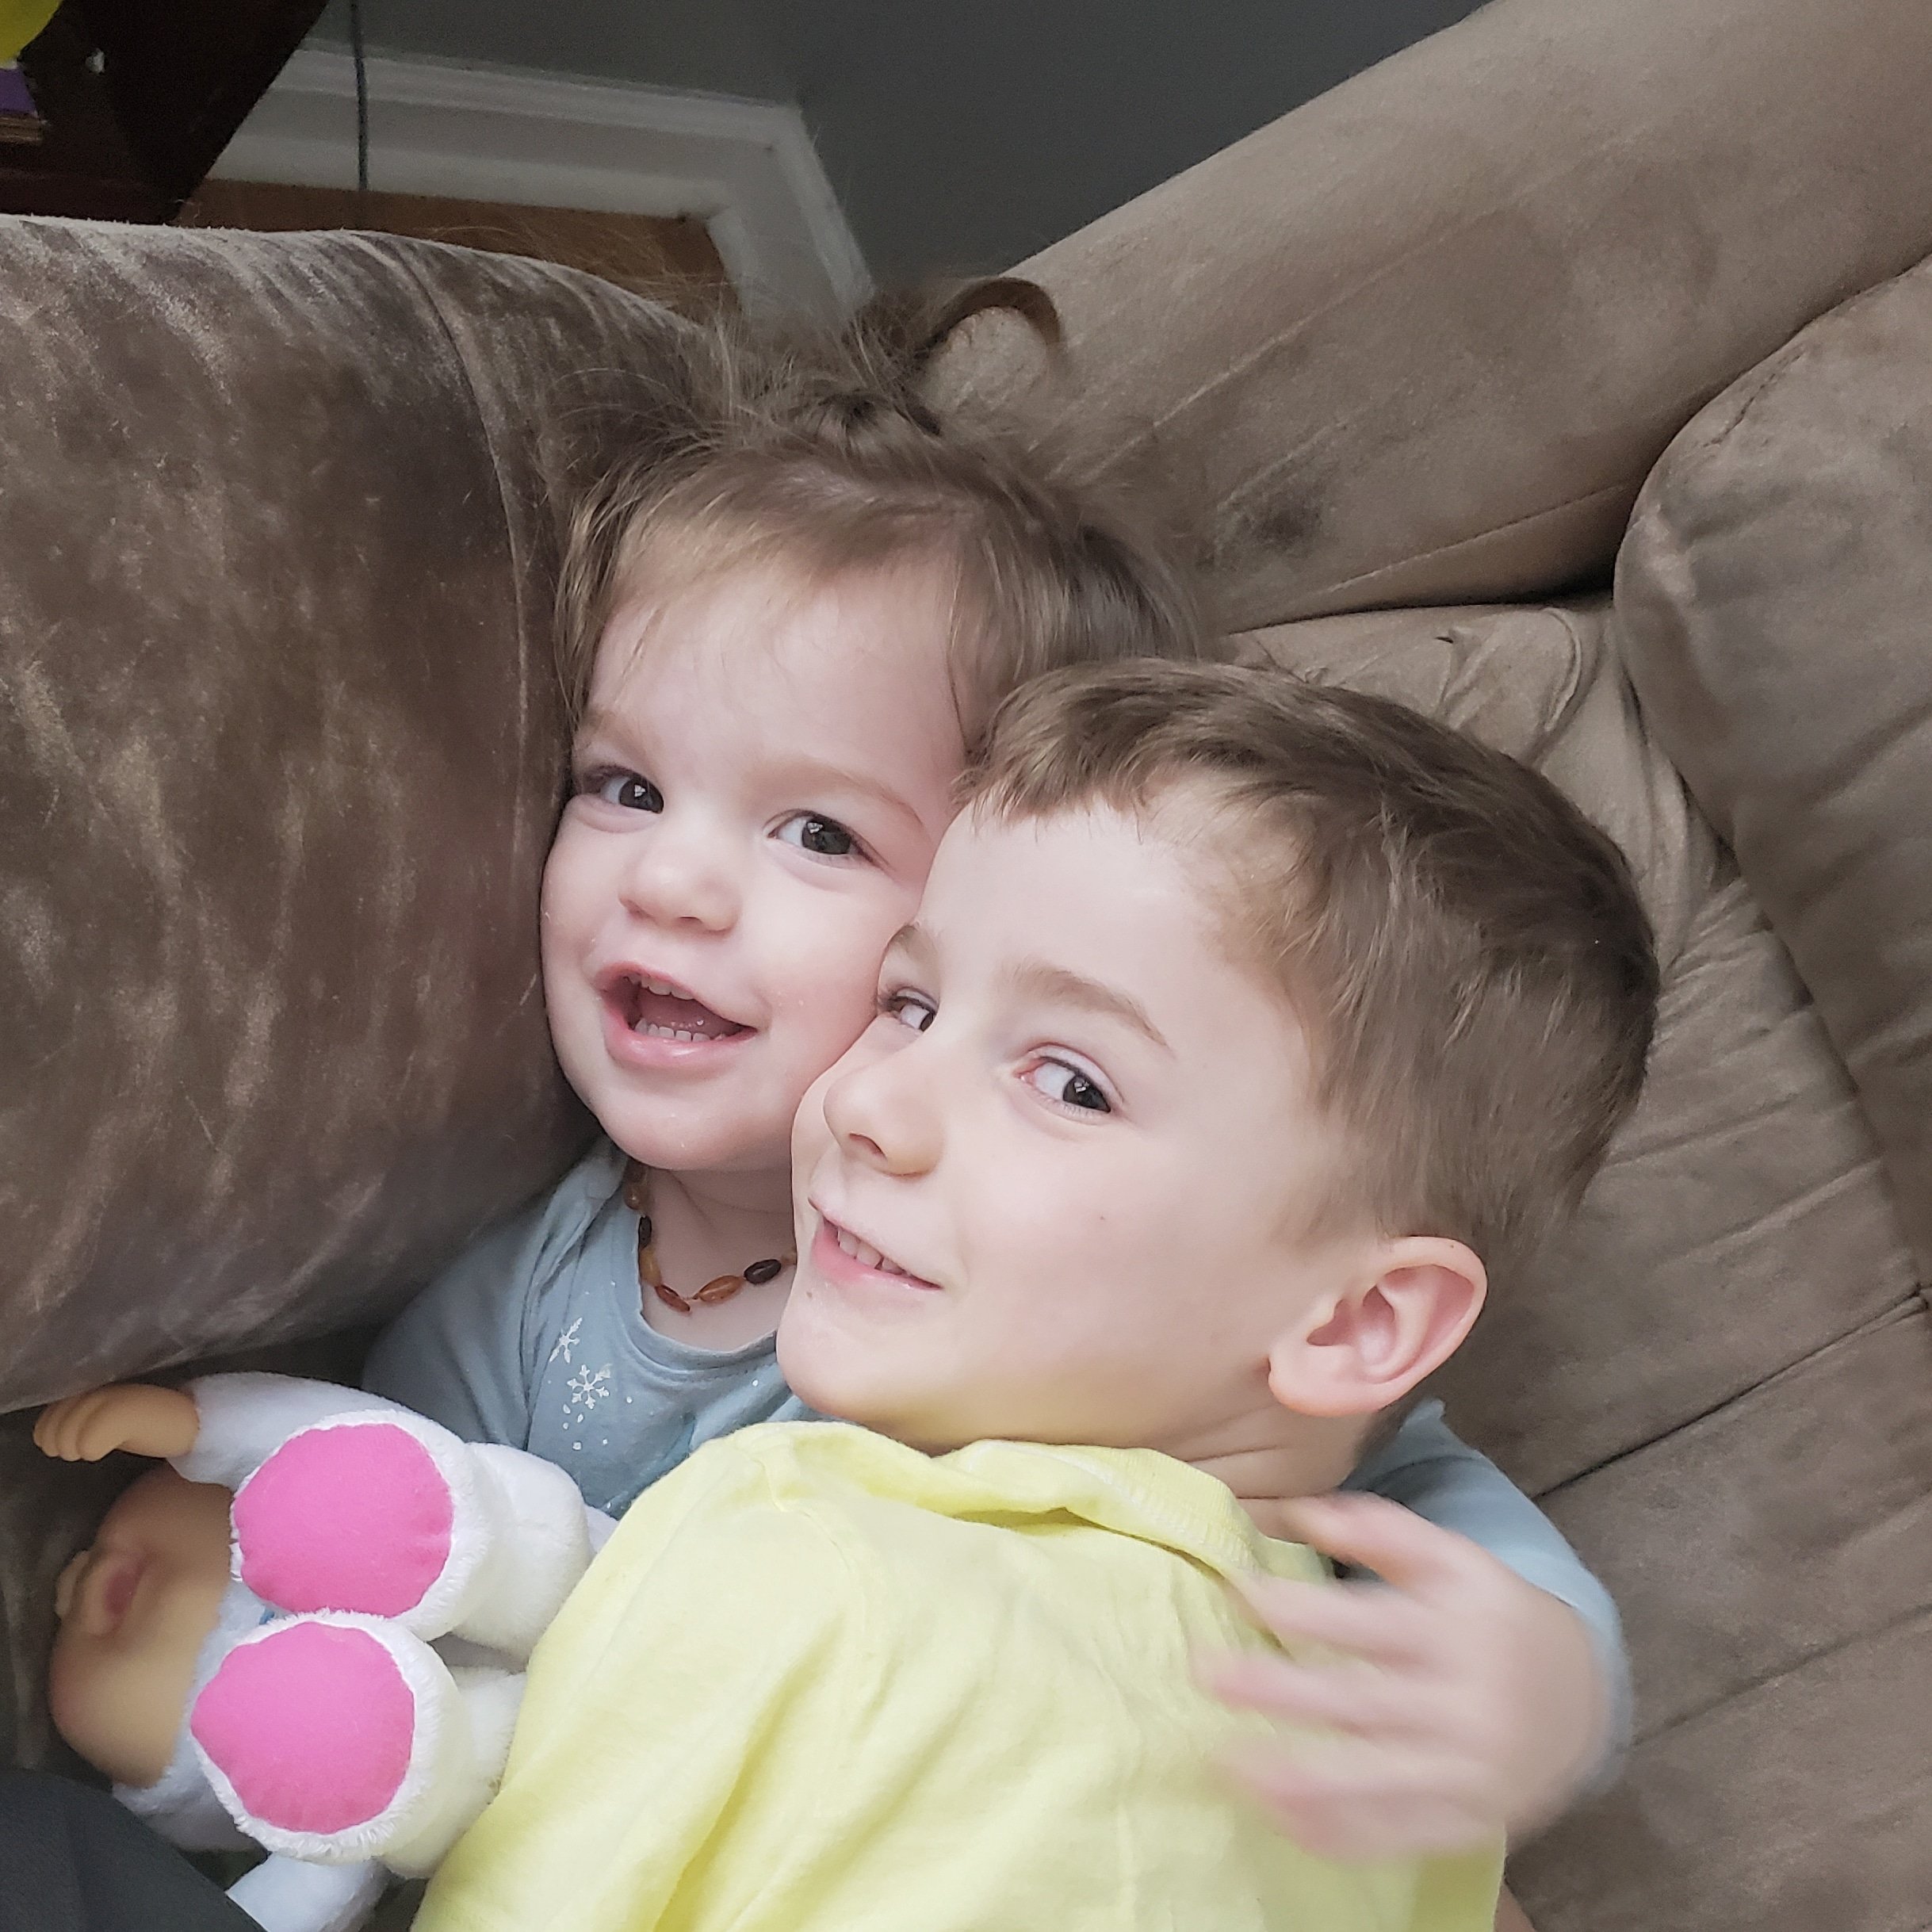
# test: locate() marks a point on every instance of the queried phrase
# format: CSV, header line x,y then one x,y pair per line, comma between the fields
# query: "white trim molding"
x,y
747,169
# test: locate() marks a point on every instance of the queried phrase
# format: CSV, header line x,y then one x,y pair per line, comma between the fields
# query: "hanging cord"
x,y
359,54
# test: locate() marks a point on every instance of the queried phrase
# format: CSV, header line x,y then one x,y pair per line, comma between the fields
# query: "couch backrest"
x,y
279,759
1421,341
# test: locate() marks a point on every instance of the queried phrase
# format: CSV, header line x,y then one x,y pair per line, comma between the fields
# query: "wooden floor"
x,y
671,258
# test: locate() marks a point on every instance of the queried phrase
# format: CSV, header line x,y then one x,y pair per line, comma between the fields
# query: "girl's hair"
x,y
823,454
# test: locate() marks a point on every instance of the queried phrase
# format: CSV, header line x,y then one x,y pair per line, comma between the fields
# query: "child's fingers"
x,y
1359,1620
1363,1703
1370,1532
1363,1801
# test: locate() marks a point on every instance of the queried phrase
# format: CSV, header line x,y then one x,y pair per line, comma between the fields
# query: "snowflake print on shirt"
x,y
565,1344
584,1391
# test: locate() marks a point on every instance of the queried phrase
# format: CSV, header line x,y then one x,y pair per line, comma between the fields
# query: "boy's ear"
x,y
1404,1315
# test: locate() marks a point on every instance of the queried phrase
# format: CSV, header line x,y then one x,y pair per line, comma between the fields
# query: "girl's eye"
x,y
910,1009
1069,1087
625,789
824,838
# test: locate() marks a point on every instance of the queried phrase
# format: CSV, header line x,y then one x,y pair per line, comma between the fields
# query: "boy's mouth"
x,y
658,1009
858,1251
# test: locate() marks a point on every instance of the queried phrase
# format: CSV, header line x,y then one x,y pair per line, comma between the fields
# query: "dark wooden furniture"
x,y
138,97
671,259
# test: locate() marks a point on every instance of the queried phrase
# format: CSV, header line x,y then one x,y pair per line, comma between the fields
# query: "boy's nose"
x,y
884,1119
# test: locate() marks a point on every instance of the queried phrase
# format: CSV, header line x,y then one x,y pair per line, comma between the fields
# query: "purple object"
x,y
14,98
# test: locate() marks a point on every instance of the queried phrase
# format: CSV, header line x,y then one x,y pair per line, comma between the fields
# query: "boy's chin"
x,y
817,1369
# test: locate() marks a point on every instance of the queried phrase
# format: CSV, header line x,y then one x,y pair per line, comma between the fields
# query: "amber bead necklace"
x,y
720,1288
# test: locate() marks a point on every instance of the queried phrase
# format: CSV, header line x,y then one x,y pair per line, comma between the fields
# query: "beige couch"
x,y
1566,287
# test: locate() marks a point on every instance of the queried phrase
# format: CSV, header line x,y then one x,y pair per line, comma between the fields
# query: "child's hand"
x,y
139,1417
1467,1702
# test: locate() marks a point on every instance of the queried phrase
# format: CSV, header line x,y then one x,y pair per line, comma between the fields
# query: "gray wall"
x,y
959,136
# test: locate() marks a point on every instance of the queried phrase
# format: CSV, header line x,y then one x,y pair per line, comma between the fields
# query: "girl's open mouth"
x,y
655,1009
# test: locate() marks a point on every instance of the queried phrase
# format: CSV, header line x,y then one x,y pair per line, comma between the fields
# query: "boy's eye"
x,y
1069,1087
910,1009
824,838
625,789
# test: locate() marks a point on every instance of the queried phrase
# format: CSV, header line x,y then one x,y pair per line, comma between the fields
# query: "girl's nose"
x,y
683,876
883,1113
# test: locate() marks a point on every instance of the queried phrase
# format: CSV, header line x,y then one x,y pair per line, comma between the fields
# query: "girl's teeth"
x,y
652,1031
664,986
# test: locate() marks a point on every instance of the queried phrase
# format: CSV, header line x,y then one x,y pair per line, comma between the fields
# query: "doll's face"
x,y
134,1609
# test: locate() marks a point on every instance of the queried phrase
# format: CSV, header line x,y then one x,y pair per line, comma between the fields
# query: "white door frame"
x,y
747,169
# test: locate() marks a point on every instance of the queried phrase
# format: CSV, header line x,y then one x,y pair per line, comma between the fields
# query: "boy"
x,y
1247,1031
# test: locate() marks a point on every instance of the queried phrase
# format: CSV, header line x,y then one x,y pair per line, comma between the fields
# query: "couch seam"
x,y
1915,1301
1341,585
1922,1614
405,255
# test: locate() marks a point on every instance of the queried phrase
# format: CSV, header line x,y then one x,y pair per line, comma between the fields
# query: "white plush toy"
x,y
350,1705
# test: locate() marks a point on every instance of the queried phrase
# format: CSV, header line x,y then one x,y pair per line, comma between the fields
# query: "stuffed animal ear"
x,y
385,1513
338,1737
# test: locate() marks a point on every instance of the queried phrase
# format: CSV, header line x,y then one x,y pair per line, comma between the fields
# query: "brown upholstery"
x,y
277,759
1775,603
1721,1386
278,762
1420,341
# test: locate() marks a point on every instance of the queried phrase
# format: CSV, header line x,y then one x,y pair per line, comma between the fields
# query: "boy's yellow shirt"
x,y
819,1682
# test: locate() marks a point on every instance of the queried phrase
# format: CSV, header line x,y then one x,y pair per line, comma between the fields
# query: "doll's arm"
x,y
139,1416
218,1429
245,1418
285,1895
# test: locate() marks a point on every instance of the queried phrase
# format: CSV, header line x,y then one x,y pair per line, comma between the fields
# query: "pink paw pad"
x,y
352,1516
312,1726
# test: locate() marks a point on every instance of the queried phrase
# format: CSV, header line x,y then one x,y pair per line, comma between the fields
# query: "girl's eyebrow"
x,y
807,773
598,722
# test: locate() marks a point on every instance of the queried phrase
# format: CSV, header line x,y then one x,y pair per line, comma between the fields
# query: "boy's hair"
x,y
821,454
1463,949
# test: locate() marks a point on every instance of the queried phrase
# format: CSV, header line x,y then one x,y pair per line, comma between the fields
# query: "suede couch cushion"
x,y
1421,340
278,764
1720,1385
1774,595
279,760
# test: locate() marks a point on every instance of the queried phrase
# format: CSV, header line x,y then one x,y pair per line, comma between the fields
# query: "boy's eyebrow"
x,y
1046,981
911,938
